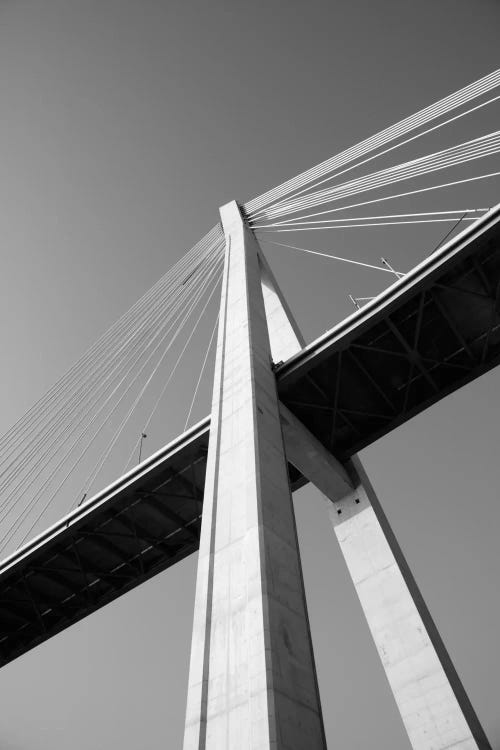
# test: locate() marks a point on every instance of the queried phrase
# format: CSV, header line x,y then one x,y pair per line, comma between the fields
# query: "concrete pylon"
x,y
431,699
433,704
252,680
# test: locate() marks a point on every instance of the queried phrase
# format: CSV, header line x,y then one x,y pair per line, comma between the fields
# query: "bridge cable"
x,y
366,224
167,382
91,363
381,153
429,113
111,371
101,462
331,257
289,226
470,150
30,505
168,318
384,198
201,373
119,341
77,440
109,334
87,425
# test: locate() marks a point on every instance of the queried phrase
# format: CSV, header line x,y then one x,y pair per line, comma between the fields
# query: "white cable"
x,y
30,505
163,336
150,378
331,257
201,373
386,151
370,224
461,153
110,333
117,345
453,101
482,146
162,393
387,198
295,223
160,315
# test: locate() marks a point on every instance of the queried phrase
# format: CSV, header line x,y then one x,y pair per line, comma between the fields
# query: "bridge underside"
x,y
430,333
145,522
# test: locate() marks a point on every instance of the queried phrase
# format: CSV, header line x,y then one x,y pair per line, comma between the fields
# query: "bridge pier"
x,y
252,680
431,699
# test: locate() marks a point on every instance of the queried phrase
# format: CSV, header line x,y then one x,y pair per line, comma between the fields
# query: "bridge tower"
x,y
252,680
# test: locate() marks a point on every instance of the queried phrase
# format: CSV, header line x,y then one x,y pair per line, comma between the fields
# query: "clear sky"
x,y
124,125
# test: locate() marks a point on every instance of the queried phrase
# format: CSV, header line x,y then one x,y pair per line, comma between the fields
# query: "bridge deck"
x,y
427,335
430,333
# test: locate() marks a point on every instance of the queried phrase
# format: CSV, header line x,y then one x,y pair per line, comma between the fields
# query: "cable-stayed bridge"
x,y
304,410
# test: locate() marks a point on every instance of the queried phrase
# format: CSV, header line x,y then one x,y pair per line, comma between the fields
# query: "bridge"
x,y
433,330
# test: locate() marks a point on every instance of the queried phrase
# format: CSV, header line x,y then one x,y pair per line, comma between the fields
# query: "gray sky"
x,y
124,126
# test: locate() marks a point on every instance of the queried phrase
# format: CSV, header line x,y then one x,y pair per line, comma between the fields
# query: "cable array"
x,y
44,448
323,198
398,130
379,220
358,204
201,373
486,145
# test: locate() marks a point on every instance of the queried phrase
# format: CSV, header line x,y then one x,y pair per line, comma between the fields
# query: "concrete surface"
x,y
252,681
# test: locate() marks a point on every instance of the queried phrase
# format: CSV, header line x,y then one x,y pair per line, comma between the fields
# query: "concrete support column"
x,y
252,680
433,704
